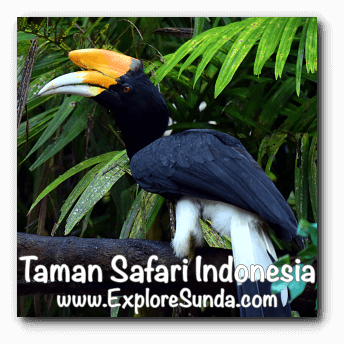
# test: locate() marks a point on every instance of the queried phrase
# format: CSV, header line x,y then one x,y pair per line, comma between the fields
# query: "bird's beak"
x,y
103,68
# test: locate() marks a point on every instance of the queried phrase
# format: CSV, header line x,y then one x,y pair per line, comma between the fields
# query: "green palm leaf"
x,y
237,53
268,43
284,47
62,113
271,32
142,215
77,168
99,186
311,46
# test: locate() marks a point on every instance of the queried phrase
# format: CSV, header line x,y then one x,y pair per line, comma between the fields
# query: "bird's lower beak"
x,y
103,68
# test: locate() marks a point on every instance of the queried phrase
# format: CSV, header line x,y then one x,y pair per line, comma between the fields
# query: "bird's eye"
x,y
126,89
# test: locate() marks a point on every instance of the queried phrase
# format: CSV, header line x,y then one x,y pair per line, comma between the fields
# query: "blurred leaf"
x,y
309,253
295,288
98,187
213,238
301,119
142,215
77,168
199,25
308,229
274,104
270,145
313,179
290,68
47,63
153,210
301,178
23,36
36,125
79,189
300,54
74,126
65,109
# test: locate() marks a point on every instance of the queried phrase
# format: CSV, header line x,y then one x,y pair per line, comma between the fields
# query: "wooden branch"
x,y
74,251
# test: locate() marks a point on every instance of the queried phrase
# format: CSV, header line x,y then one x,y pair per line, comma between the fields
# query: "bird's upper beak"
x,y
103,67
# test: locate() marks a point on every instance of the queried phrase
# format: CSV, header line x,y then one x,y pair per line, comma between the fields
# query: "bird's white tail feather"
x,y
187,225
251,243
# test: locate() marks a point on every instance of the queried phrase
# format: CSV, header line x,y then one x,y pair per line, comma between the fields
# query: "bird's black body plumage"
x,y
212,165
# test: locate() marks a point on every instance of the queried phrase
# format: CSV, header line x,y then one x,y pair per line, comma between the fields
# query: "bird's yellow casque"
x,y
102,69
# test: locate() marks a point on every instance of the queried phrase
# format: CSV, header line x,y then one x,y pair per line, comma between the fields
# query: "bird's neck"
x,y
140,130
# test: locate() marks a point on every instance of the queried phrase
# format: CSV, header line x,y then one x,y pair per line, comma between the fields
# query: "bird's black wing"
x,y
212,165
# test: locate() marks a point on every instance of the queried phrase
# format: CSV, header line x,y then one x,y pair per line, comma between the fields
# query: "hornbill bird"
x,y
206,173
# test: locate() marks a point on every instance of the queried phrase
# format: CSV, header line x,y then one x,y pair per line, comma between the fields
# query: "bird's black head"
x,y
119,85
140,110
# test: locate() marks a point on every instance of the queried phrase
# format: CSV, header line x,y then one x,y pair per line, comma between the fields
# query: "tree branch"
x,y
74,251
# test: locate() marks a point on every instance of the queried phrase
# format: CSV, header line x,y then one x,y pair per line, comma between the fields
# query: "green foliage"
x,y
97,188
253,78
241,37
306,256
